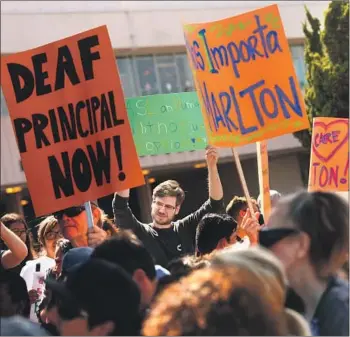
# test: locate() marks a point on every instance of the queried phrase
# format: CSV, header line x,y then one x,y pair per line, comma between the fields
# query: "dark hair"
x,y
180,267
211,229
11,218
17,289
107,293
236,205
108,226
170,188
64,245
220,301
325,218
126,250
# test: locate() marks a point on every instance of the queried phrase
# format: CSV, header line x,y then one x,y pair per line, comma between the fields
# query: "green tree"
x,y
327,68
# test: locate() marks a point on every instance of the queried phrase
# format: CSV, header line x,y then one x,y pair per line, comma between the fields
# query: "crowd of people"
x,y
219,271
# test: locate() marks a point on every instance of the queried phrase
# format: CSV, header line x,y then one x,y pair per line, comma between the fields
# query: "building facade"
x,y
148,41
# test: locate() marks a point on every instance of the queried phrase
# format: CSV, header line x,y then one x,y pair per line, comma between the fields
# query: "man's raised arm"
x,y
215,187
123,216
215,203
17,250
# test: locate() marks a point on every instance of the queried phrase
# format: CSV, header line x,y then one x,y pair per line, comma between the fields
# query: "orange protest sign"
x,y
329,162
264,178
245,78
68,113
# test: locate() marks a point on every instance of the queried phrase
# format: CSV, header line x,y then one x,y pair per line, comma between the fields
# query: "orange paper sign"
x,y
68,113
245,78
329,163
264,178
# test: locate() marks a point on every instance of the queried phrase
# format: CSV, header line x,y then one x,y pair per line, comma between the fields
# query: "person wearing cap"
x,y
127,251
98,298
20,326
71,259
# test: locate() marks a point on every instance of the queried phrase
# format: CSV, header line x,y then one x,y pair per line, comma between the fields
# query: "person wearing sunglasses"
x,y
73,223
165,238
309,233
17,224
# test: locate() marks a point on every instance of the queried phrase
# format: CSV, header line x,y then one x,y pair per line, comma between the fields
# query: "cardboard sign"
x,y
329,163
264,178
68,113
166,123
245,78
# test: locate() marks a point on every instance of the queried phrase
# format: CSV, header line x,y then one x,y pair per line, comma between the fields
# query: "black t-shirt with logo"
x,y
168,243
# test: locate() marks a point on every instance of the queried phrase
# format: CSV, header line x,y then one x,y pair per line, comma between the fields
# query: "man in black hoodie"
x,y
165,238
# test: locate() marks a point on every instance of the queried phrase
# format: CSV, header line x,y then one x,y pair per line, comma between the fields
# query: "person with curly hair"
x,y
225,299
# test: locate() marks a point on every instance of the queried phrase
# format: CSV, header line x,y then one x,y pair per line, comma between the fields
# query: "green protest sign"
x,y
166,123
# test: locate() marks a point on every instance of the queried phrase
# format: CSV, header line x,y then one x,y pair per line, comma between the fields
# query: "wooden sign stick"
x,y
264,178
243,181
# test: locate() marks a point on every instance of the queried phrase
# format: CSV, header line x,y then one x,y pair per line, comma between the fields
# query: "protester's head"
x,y
275,196
48,235
17,224
126,250
62,247
74,257
214,232
73,222
258,261
98,298
167,199
14,298
309,232
237,208
181,267
108,226
217,301
20,326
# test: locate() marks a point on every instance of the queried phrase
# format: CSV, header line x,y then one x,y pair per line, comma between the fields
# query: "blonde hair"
x,y
296,324
256,259
45,226
216,301
265,266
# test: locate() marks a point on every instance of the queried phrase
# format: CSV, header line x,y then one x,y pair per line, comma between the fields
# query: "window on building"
x,y
168,74
127,76
146,74
186,79
299,63
154,74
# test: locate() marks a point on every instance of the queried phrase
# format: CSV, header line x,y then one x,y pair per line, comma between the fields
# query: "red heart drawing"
x,y
340,144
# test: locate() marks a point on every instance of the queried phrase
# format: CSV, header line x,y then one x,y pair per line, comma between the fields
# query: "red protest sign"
x,y
68,112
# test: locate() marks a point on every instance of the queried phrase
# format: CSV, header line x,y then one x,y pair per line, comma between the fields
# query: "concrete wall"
x,y
194,181
132,25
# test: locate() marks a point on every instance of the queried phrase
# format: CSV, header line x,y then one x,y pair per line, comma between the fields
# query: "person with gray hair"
x,y
274,197
265,266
